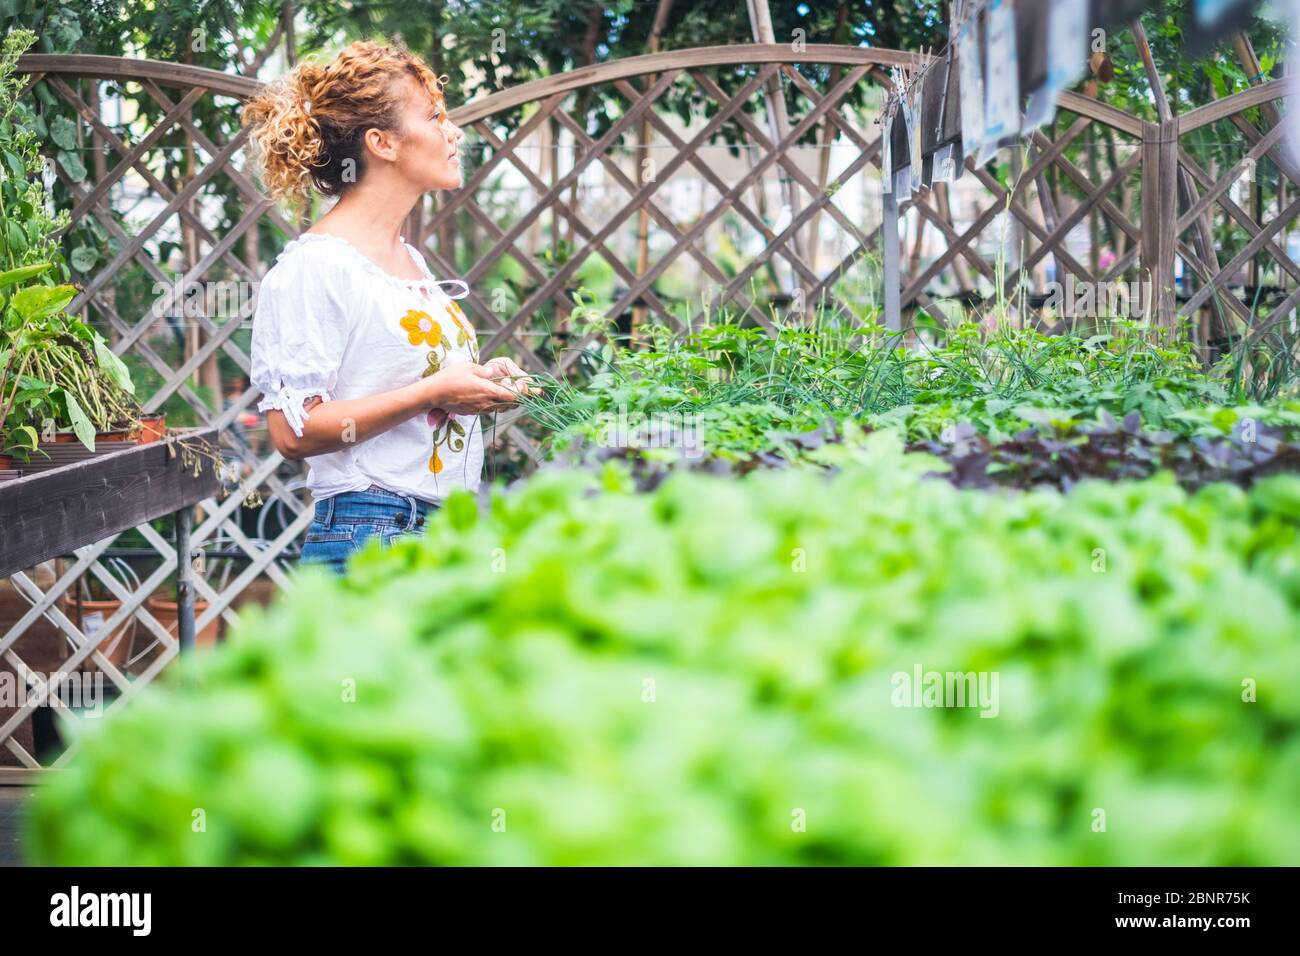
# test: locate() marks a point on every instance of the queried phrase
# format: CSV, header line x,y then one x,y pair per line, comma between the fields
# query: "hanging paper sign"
x,y
909,123
887,149
947,164
1041,108
903,181
1212,20
916,95
1067,32
1210,13
1002,78
971,77
1067,28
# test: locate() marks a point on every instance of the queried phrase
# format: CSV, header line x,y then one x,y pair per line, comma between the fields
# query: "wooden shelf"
x,y
54,512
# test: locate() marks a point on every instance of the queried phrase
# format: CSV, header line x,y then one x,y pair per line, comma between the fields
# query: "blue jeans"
x,y
344,523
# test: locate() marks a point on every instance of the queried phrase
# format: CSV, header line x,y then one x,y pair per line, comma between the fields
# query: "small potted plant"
x,y
61,381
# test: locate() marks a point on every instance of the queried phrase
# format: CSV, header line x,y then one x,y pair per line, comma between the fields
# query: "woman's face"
x,y
428,152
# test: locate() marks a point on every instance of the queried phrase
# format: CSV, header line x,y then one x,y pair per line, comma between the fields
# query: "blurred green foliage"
x,y
707,675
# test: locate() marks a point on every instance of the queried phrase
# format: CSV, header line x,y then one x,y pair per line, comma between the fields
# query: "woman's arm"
x,y
462,389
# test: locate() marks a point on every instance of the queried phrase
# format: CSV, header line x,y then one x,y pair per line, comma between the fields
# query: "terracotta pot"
x,y
150,429
114,646
63,438
63,451
260,591
168,615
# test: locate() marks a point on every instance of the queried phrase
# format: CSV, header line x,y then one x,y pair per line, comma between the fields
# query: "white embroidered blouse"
x,y
330,322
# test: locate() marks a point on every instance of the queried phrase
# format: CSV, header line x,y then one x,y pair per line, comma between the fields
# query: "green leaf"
x,y
30,433
80,421
16,165
28,381
22,273
113,365
64,132
81,330
83,258
27,395
17,241
72,165
38,301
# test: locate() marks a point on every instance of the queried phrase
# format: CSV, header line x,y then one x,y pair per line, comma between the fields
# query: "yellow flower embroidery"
x,y
456,314
467,335
421,329
454,311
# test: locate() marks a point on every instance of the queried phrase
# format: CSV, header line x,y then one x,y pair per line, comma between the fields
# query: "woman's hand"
x,y
461,389
468,389
512,375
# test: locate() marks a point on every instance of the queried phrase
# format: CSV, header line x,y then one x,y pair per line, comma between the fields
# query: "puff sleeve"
x,y
300,332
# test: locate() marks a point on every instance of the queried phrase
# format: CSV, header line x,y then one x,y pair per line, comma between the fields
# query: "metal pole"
x,y
892,280
184,581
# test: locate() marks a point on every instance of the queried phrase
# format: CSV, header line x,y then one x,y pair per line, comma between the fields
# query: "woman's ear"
x,y
382,143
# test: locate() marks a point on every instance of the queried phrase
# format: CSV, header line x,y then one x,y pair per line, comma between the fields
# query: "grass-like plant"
x,y
744,382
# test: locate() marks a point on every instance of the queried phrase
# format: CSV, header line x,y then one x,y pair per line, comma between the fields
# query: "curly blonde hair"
x,y
308,127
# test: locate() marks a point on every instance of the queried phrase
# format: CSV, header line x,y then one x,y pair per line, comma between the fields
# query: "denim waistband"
x,y
375,505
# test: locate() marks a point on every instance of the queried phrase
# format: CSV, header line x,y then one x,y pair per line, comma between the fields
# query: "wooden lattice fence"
x,y
798,205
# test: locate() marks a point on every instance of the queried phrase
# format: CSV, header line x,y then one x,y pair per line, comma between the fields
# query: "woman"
x,y
369,369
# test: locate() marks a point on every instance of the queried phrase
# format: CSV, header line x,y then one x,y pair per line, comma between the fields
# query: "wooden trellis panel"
x,y
1212,225
688,242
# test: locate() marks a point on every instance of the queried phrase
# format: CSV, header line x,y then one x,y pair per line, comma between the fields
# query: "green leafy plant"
x,y
710,674
743,384
55,371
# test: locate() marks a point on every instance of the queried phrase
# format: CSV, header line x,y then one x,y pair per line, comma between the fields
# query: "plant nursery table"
x,y
54,512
